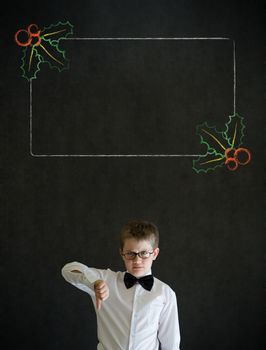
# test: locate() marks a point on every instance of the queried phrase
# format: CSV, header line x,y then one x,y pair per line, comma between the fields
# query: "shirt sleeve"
x,y
168,332
83,280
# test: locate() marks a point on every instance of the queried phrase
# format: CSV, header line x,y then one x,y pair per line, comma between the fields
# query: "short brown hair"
x,y
140,230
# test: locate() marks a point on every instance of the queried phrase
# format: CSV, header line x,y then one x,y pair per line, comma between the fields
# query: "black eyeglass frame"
x,y
126,255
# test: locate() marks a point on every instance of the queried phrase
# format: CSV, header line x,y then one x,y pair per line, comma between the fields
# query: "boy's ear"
x,y
155,253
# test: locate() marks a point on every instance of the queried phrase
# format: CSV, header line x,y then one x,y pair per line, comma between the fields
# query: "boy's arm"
x,y
87,279
168,332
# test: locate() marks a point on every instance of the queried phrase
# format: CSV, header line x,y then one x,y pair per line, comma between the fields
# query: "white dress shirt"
x,y
130,319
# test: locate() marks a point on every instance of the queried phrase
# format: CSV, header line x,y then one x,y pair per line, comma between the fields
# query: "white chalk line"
x,y
132,155
142,39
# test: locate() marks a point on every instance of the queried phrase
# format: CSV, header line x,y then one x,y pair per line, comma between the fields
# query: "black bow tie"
x,y
145,281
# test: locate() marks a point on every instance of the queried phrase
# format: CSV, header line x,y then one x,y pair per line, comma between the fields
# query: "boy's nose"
x,y
137,259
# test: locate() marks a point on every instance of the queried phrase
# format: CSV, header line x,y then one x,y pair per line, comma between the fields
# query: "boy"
x,y
135,311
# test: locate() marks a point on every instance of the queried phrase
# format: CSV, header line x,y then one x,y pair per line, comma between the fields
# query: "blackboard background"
x,y
56,210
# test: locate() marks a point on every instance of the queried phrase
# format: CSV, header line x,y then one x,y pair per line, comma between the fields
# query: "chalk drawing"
x,y
223,147
42,46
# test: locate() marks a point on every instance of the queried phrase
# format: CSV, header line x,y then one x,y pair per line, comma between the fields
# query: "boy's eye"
x,y
144,254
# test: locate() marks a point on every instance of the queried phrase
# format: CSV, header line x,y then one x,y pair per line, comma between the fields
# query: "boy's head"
x,y
142,237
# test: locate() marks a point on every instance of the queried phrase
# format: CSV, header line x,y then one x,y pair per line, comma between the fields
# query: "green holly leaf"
x,y
52,55
56,32
234,132
212,138
208,162
43,47
222,147
31,61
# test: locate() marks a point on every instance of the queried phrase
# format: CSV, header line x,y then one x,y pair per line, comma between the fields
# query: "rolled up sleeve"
x,y
83,280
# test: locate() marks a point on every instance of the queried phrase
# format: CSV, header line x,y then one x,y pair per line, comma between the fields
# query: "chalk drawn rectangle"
x,y
132,97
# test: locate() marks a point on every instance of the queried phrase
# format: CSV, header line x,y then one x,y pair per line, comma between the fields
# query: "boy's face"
x,y
138,267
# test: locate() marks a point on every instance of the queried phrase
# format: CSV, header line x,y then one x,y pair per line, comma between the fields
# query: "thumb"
x,y
98,303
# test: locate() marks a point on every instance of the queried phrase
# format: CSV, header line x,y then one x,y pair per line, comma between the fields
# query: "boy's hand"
x,y
101,292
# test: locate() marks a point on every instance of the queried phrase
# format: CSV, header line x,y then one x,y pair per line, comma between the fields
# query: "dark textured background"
x,y
55,210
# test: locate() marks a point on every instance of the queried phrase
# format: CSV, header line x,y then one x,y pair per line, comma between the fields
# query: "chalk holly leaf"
x,y
54,57
43,46
234,132
56,32
212,138
30,63
209,161
223,147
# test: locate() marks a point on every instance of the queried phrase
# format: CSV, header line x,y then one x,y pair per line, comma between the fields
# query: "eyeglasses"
x,y
132,255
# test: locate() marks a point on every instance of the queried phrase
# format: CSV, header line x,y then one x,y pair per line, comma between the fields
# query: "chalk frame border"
x,y
131,155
